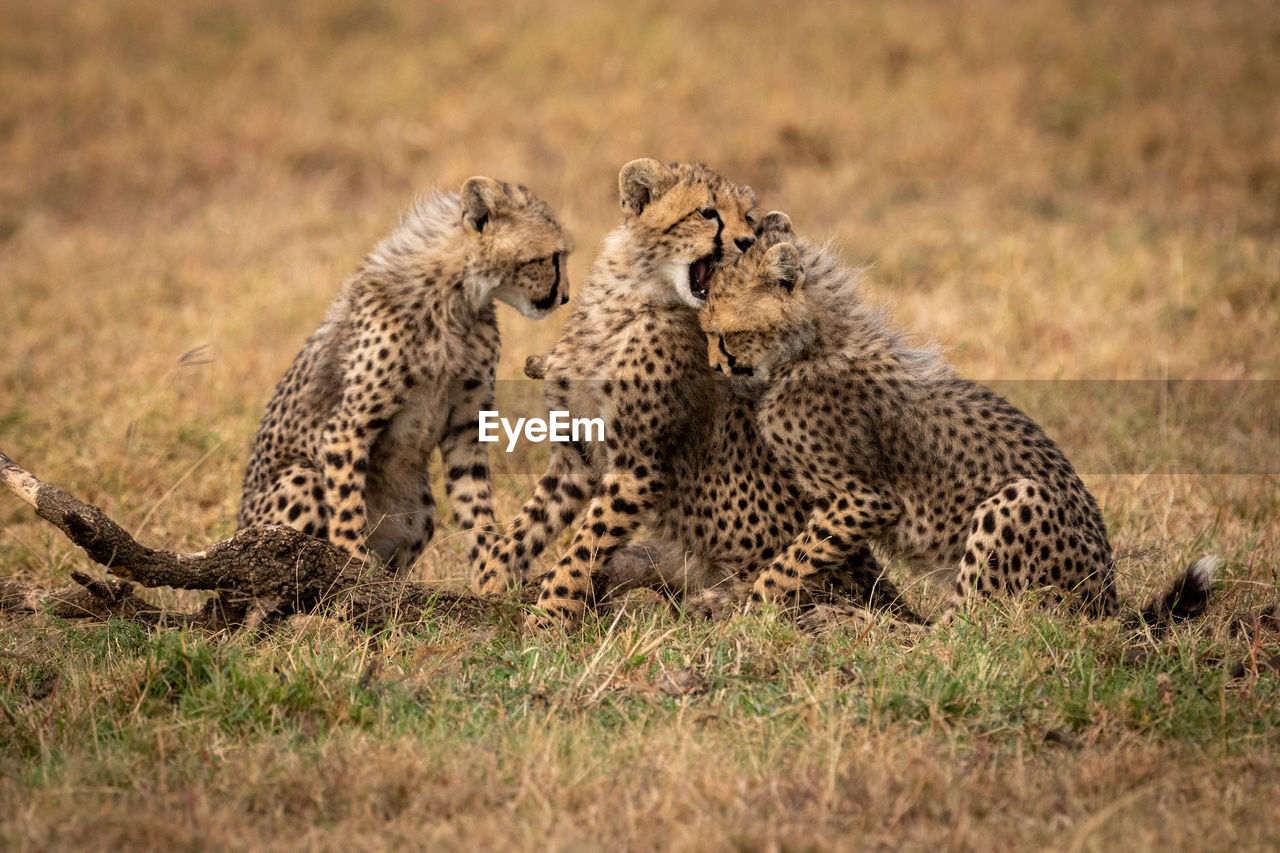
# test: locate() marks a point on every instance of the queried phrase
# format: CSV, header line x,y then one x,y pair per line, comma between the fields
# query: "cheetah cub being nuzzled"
x,y
402,364
894,448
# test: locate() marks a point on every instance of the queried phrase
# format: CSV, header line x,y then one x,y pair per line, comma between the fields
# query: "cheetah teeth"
x,y
699,274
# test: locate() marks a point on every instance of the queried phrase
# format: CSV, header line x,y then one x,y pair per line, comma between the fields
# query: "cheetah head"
x,y
516,250
689,219
753,315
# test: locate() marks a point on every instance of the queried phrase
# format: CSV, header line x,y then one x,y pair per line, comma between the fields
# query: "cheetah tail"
x,y
1188,595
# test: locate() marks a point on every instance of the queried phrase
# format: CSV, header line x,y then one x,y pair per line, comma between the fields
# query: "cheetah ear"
x,y
642,182
481,198
782,265
775,221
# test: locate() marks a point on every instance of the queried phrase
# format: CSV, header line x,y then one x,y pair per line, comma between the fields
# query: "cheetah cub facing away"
x,y
894,448
402,364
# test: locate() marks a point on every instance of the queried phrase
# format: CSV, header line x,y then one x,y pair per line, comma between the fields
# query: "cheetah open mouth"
x,y
700,274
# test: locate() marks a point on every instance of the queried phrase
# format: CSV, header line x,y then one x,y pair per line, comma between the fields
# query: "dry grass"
x,y
1054,190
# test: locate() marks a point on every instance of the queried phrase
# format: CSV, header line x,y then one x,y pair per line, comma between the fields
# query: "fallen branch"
x,y
294,572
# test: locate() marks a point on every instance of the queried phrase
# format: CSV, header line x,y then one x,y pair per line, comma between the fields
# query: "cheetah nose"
x,y
744,243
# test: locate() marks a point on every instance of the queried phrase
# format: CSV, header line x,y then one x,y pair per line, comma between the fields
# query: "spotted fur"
x,y
680,457
402,364
893,448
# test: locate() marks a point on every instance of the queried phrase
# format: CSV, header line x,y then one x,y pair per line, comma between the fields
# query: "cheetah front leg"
x,y
554,505
347,441
860,580
618,507
837,529
466,466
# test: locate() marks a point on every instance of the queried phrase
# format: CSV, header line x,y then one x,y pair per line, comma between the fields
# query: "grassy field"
x,y
1070,196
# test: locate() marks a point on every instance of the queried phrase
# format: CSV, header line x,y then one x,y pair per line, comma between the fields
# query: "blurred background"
x,y
1079,190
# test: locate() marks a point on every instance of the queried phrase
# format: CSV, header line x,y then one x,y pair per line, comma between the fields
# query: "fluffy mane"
x,y
846,321
432,219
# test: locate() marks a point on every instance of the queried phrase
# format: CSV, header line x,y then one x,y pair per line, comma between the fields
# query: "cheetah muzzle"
x,y
549,301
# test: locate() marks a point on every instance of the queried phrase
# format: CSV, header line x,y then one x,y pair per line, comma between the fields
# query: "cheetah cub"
x,y
402,364
894,448
631,353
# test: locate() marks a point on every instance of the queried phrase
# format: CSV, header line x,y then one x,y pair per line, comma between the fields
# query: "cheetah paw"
x,y
535,366
555,612
713,603
493,584
825,617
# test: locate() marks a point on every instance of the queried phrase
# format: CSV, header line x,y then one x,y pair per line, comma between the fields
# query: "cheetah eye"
x,y
708,213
